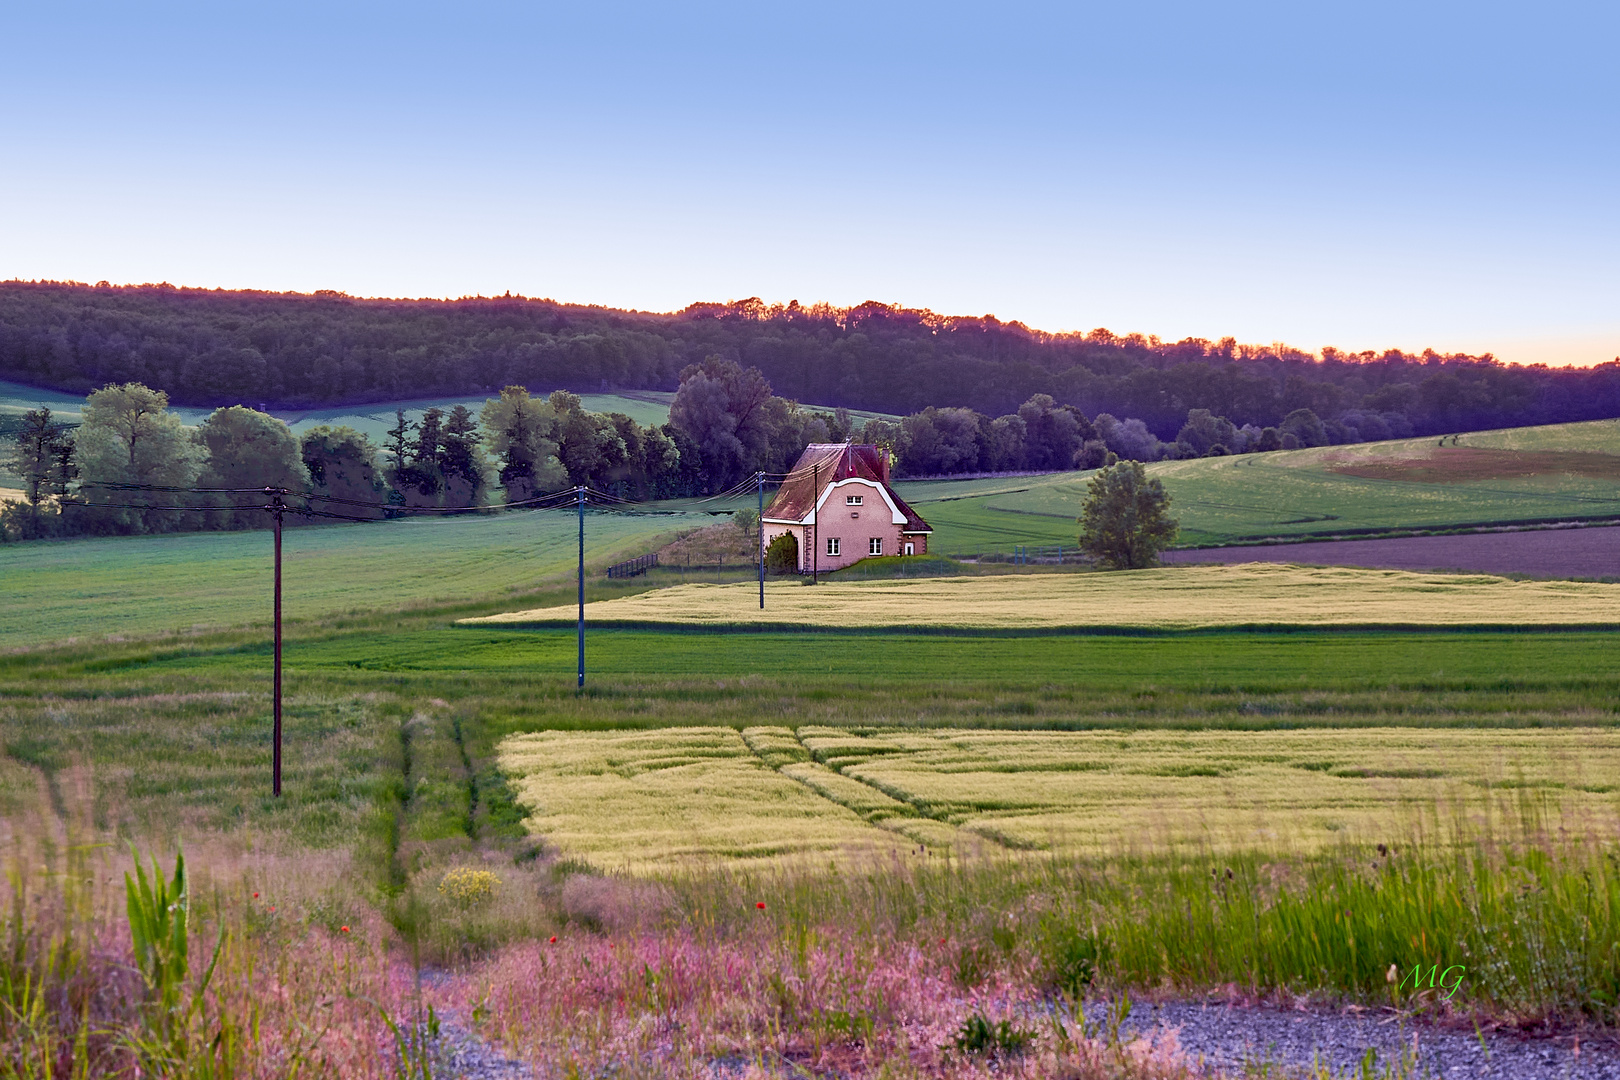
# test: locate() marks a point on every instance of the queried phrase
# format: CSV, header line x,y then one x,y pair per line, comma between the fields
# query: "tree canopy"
x,y
212,347
1125,521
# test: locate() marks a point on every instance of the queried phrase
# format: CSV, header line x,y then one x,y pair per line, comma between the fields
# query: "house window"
x,y
854,500
833,545
911,549
874,546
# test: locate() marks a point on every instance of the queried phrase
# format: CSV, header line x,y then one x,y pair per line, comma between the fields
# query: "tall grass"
x,y
976,968
1522,908
160,979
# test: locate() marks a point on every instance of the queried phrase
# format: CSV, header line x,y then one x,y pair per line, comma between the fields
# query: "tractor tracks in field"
x,y
783,750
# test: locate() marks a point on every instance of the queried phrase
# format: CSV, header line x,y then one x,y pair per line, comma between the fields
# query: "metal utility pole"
x,y
277,507
580,493
815,523
760,476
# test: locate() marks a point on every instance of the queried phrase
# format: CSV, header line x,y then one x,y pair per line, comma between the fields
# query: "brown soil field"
x,y
1592,552
1461,464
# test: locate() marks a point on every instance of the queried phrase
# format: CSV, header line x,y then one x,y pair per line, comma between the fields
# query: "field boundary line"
x,y
1472,528
662,626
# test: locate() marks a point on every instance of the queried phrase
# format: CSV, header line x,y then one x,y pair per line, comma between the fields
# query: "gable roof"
x,y
823,465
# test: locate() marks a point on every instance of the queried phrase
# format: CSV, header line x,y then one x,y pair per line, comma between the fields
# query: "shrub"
x,y
469,887
980,1036
1070,957
782,556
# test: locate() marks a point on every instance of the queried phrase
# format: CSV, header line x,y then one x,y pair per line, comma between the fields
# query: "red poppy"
x,y
345,929
255,896
760,905
554,939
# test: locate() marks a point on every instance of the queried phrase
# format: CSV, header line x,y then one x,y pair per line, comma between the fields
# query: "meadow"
x,y
1557,472
727,770
1168,598
185,582
944,830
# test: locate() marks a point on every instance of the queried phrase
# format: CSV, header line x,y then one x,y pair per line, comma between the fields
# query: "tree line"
x,y
213,347
131,466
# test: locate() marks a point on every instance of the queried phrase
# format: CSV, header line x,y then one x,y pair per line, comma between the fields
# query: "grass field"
x,y
149,584
1169,598
1557,472
935,824
1067,777
660,799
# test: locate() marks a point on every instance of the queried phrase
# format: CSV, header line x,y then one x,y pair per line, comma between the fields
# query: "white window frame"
x,y
834,546
854,500
911,549
874,546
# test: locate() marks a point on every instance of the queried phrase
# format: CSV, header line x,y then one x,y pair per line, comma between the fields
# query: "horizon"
x,y
1152,339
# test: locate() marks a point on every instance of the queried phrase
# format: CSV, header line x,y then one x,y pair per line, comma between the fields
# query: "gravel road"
x,y
1230,1036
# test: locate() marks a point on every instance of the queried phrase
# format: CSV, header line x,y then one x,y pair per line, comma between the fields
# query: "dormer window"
x,y
854,500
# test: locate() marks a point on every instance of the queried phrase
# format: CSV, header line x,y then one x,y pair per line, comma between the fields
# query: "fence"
x,y
1024,554
633,567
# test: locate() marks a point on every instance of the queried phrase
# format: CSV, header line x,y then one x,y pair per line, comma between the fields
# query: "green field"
x,y
1016,796
151,584
132,712
1573,471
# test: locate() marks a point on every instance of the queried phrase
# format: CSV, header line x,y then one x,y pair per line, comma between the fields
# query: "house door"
x,y
911,549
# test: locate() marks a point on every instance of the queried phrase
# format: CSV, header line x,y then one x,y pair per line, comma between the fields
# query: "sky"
x,y
1365,175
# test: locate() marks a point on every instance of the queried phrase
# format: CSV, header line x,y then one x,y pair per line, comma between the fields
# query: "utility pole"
x,y
815,523
580,493
760,476
277,507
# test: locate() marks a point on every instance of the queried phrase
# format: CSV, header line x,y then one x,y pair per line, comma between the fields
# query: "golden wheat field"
x,y
1170,598
658,799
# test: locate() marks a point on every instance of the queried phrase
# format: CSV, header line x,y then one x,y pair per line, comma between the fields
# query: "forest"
x,y
289,350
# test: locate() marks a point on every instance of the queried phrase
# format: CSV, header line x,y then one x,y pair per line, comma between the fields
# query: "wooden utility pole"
x,y
815,524
580,493
760,476
277,507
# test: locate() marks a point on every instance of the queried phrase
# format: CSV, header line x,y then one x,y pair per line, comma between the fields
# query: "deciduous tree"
x,y
1125,521
130,437
518,432
251,450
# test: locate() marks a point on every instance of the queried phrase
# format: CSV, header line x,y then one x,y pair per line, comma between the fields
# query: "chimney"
x,y
885,459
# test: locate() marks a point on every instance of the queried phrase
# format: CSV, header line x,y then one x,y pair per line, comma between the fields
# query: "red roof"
x,y
823,464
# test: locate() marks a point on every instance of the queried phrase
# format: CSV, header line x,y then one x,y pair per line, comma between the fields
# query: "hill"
x,y
294,351
1561,472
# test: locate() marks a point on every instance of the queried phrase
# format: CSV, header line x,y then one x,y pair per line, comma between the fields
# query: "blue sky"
x,y
1355,174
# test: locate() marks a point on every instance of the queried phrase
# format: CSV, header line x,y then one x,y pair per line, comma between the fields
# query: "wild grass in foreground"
x,y
179,975
902,969
891,969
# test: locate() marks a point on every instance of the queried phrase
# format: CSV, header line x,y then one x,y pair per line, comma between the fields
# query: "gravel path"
x,y
1232,1036
1592,551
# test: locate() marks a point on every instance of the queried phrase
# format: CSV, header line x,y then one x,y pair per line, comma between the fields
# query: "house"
x,y
838,505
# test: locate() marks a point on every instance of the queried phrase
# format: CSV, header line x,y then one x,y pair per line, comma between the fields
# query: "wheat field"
x,y
656,800
1167,598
